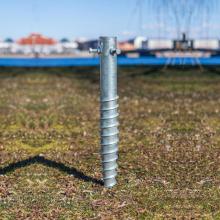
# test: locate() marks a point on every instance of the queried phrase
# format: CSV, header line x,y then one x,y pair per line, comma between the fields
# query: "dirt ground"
x,y
169,156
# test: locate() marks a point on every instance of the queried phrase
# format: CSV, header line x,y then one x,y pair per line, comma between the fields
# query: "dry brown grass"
x,y
169,149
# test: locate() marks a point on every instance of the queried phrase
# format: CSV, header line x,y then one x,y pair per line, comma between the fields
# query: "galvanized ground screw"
x,y
108,51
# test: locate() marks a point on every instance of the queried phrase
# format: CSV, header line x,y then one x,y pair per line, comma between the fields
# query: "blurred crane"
x,y
179,14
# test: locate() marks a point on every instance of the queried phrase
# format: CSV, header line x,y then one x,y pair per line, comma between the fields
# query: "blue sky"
x,y
92,18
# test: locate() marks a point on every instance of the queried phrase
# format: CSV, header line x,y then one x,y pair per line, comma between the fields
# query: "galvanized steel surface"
x,y
108,109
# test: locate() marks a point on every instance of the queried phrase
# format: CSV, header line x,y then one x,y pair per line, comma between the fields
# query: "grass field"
x,y
169,165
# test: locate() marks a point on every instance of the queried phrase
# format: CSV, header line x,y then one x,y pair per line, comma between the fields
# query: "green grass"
x,y
169,145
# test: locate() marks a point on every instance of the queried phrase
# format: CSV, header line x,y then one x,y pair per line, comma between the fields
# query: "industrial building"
x,y
38,45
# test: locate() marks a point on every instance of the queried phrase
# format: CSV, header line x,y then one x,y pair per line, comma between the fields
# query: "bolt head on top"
x,y
95,50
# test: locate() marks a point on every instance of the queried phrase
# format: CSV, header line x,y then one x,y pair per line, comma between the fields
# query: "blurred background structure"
x,y
148,28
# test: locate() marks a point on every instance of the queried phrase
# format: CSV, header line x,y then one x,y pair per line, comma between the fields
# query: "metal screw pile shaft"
x,y
109,109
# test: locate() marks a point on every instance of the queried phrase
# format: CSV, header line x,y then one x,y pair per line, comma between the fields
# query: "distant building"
x,y
157,44
39,45
64,40
68,47
84,45
206,44
9,40
5,46
36,43
183,44
125,46
139,42
36,39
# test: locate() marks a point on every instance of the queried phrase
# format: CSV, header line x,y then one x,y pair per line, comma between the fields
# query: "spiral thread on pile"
x,y
109,140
